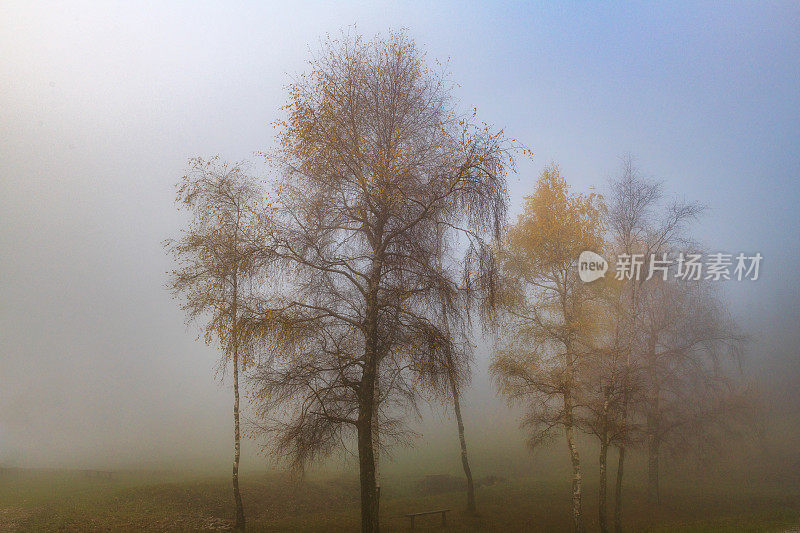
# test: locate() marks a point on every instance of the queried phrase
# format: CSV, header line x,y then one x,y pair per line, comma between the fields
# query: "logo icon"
x,y
591,266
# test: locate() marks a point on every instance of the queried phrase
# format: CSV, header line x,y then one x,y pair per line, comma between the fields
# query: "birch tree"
x,y
640,221
545,313
457,375
607,383
217,255
458,372
381,181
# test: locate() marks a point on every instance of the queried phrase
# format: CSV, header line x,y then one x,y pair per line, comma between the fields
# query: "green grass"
x,y
148,501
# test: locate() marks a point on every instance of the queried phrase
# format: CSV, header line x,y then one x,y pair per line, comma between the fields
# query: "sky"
x,y
101,105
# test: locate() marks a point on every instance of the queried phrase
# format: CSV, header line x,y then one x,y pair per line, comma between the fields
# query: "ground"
x,y
160,501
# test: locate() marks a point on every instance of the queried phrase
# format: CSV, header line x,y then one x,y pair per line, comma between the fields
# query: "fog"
x,y
101,105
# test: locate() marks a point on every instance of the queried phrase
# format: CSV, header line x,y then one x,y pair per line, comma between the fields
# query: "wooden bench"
x,y
442,511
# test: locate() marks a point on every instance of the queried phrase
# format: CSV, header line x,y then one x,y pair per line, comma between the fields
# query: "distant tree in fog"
x,y
608,382
688,363
639,221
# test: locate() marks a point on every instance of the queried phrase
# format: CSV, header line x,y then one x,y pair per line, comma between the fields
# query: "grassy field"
x,y
151,501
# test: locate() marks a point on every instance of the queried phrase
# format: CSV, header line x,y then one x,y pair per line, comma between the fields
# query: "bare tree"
x,y
687,390
380,179
216,256
639,222
606,383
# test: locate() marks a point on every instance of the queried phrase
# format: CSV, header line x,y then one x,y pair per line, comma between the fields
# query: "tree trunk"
x,y
239,524
577,517
603,490
366,464
652,470
464,460
366,418
621,464
618,493
368,402
471,507
376,441
653,429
